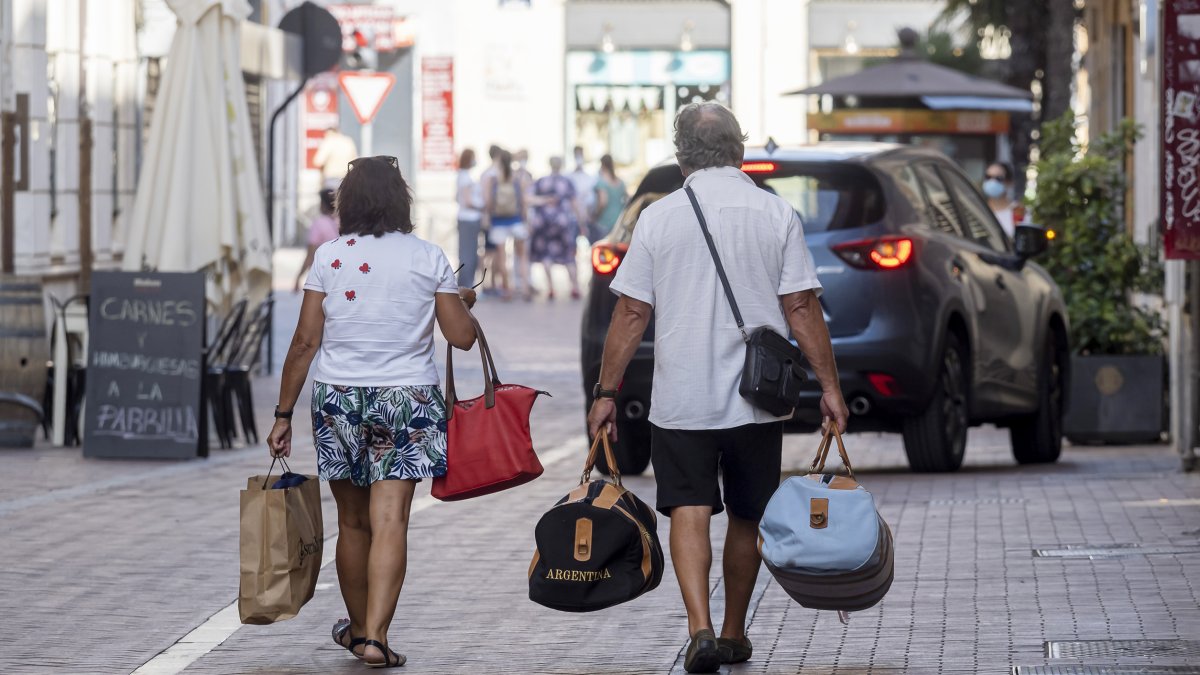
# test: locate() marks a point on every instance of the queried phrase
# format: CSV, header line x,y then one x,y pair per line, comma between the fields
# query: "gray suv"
x,y
939,321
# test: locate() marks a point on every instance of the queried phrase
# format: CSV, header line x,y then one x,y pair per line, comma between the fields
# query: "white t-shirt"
x,y
472,208
698,351
1005,217
379,309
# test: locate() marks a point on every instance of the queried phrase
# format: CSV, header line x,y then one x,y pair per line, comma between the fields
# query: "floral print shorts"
x,y
367,434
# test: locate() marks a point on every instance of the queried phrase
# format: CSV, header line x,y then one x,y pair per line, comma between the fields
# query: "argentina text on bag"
x,y
823,539
282,536
597,547
773,372
489,446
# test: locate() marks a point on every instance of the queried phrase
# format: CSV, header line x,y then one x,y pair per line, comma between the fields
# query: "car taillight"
x,y
606,258
883,383
758,167
888,253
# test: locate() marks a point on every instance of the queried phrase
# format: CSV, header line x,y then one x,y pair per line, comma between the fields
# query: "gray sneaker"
x,y
702,654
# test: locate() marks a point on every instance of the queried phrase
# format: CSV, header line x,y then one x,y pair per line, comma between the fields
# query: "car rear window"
x,y
827,197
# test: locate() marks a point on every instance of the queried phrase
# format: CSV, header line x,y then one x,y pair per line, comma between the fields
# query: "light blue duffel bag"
x,y
823,539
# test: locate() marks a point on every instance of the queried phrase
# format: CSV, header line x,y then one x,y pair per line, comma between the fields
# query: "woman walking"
x,y
470,218
554,226
610,199
378,416
504,199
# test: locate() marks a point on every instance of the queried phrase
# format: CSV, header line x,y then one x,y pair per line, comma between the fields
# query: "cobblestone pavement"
x,y
105,564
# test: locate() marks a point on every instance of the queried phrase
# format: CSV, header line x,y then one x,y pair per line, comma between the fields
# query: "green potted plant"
x,y
1117,369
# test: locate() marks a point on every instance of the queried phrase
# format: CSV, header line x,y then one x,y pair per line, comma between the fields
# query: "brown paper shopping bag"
x,y
281,542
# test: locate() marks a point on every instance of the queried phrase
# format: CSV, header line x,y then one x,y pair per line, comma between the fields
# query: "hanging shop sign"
x,y
906,121
1181,129
320,113
437,113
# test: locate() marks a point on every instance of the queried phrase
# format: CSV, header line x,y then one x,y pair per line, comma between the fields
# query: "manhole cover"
x,y
1088,649
983,500
1107,670
1113,550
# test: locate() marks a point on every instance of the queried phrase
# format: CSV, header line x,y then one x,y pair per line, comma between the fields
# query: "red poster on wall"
x,y
1181,129
437,113
320,113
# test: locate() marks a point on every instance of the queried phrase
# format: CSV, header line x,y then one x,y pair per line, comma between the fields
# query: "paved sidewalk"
x,y
105,564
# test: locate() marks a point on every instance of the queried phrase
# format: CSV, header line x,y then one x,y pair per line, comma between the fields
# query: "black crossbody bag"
x,y
773,374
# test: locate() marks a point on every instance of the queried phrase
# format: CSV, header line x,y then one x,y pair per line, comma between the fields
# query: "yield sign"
x,y
366,92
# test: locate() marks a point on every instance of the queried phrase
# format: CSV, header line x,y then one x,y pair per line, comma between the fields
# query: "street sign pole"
x,y
366,139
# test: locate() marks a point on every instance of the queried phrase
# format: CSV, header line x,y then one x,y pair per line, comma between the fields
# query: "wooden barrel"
x,y
24,353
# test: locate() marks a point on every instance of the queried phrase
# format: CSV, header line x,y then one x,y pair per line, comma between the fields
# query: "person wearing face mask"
x,y
997,187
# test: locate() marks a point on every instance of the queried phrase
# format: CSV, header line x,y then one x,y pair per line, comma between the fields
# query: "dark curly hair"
x,y
374,199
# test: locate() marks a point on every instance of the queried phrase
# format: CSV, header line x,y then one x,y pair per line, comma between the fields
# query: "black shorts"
x,y
686,464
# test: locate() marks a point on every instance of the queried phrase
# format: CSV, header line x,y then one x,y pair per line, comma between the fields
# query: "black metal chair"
x,y
216,359
236,383
18,434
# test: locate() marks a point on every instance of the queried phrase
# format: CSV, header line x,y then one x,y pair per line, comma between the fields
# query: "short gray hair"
x,y
707,135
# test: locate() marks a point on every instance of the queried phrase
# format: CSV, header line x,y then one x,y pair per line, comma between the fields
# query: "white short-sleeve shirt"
x,y
379,309
698,351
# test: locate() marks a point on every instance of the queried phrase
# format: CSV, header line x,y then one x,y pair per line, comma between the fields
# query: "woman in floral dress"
x,y
555,222
378,416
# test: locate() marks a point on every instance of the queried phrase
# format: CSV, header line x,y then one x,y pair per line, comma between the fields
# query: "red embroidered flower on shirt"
x,y
364,268
350,296
350,242
336,264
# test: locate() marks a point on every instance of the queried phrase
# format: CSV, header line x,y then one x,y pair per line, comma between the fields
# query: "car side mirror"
x,y
1030,240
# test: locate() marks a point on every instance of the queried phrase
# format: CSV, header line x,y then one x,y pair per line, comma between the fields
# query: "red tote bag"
x,y
489,447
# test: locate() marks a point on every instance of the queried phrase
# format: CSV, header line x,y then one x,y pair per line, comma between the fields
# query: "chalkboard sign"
x,y
145,366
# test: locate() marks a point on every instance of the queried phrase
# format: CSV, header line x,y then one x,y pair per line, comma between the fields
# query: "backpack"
x,y
506,200
823,540
596,547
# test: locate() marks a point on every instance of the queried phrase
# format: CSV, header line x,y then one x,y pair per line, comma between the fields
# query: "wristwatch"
x,y
282,415
598,392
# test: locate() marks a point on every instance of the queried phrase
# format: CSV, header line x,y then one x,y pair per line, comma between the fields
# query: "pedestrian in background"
x,y
489,249
504,198
585,190
998,188
610,200
554,226
334,154
700,426
469,196
323,228
378,415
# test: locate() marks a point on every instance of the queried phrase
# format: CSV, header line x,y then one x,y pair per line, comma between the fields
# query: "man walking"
x,y
699,423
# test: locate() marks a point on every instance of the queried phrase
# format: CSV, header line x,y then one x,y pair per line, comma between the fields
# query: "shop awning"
x,y
910,77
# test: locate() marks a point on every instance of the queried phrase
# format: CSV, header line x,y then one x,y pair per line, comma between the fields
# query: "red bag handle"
x,y
489,368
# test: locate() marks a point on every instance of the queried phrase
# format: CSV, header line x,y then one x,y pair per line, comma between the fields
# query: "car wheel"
x,y
632,449
936,440
1037,437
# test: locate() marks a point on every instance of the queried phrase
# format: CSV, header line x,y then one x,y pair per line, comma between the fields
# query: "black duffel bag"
x,y
597,547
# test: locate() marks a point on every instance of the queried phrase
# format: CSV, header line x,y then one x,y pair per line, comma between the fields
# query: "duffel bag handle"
x,y
613,470
831,432
489,368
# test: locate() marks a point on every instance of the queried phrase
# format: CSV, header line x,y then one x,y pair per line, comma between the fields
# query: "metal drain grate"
x,y
1107,670
1122,649
1113,551
982,500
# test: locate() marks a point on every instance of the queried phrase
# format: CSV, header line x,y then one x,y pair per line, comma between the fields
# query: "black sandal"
x,y
390,658
340,629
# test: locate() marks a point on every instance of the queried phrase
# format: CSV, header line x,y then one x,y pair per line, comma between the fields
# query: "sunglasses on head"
x,y
383,158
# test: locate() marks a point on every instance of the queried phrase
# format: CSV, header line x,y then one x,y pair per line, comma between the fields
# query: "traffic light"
x,y
363,57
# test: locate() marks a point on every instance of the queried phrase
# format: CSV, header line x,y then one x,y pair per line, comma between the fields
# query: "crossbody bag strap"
x,y
712,248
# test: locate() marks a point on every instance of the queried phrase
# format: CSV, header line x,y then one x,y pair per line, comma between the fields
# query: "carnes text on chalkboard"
x,y
145,365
